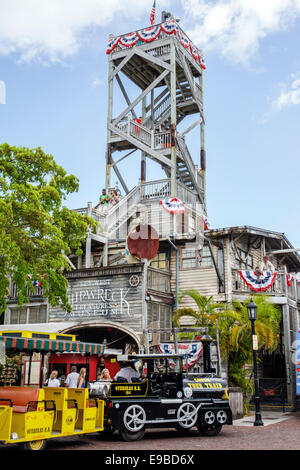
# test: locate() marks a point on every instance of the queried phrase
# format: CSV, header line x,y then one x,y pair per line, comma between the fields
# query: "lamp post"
x,y
252,314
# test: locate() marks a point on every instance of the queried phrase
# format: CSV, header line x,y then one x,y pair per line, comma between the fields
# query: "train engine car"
x,y
164,396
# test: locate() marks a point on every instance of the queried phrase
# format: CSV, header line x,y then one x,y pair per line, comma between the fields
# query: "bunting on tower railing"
x,y
150,34
173,205
258,281
153,13
206,222
289,279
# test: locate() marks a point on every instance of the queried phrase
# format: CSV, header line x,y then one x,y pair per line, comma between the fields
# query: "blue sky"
x,y
54,66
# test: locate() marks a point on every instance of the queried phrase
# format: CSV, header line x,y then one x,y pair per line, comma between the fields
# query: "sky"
x,y
53,94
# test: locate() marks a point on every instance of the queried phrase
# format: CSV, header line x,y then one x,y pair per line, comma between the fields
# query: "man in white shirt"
x,y
266,265
128,372
72,378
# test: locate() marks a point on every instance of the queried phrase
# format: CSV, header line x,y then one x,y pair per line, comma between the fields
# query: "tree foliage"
x,y
234,328
36,230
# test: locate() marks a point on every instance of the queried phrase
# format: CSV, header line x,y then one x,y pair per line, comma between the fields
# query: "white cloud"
x,y
236,27
97,82
51,30
289,95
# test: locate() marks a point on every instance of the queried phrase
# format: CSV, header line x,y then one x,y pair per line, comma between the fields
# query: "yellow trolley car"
x,y
29,416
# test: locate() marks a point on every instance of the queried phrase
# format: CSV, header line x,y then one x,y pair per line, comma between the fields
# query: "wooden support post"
x,y
143,158
88,249
109,120
202,137
173,119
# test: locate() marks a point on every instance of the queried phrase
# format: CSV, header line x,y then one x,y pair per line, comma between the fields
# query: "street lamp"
x,y
252,314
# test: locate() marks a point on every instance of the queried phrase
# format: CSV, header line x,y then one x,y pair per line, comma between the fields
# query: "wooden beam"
x,y
153,59
125,94
152,153
119,176
141,96
192,126
121,65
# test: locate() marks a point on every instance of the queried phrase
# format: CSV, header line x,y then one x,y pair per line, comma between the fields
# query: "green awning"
x,y
50,345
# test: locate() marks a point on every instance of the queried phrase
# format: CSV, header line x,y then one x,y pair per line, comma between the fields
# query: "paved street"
x,y
281,432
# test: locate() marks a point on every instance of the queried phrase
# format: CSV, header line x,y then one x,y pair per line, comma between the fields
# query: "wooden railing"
x,y
156,51
36,292
154,140
156,190
238,285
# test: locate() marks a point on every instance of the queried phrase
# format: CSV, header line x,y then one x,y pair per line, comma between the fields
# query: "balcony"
x,y
279,288
159,281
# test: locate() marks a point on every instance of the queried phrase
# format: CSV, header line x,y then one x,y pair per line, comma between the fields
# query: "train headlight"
x,y
188,392
14,436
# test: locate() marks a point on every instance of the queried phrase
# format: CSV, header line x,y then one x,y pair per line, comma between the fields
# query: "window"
x,y
206,259
189,258
241,260
192,258
18,315
160,261
36,314
160,316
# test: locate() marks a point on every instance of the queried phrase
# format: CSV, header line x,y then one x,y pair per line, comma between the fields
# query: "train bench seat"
x,y
20,397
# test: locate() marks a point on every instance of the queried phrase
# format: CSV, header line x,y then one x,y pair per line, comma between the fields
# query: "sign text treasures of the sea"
x,y
105,298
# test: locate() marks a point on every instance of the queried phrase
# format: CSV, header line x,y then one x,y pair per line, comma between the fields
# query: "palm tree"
x,y
234,330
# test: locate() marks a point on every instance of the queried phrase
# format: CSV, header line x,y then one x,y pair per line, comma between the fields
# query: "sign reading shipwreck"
x,y
112,298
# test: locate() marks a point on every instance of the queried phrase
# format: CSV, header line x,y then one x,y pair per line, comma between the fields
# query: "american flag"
x,y
153,12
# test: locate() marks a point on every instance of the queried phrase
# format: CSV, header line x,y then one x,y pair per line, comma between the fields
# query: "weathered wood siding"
x,y
203,279
104,294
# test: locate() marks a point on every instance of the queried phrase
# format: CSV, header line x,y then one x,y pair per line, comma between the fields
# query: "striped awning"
x,y
50,345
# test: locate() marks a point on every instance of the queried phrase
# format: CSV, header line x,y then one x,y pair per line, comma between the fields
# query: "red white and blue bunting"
x,y
206,222
258,283
289,279
151,34
36,282
173,205
192,351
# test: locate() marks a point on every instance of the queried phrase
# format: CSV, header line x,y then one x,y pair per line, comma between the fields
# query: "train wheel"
x,y
33,445
132,436
187,416
210,431
134,421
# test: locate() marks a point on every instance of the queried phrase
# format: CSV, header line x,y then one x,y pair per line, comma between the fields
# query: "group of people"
x,y
73,380
77,380
108,200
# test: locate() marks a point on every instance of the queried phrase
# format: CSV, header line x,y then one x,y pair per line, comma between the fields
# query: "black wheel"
x,y
209,431
33,445
181,429
132,436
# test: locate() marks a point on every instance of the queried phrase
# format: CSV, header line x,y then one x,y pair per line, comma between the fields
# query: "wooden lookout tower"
x,y
167,70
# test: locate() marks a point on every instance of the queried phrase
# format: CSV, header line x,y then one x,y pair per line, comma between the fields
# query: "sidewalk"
x,y
268,417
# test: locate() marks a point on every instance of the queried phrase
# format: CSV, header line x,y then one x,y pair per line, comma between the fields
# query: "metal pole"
x,y
258,419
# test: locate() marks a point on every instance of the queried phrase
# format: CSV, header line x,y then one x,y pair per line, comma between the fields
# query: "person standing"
x,y
266,265
53,380
104,200
81,378
72,378
114,199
